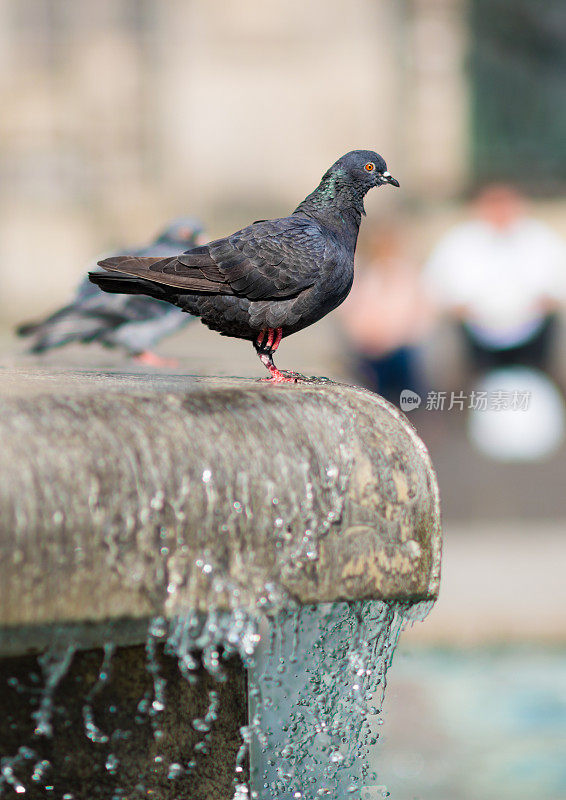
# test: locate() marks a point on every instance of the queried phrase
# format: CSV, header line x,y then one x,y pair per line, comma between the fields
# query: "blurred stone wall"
x,y
120,113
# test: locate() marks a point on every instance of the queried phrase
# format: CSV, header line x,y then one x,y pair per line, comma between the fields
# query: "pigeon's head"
x,y
364,168
184,231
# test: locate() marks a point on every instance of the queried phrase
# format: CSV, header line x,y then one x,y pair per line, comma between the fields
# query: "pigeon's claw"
x,y
281,377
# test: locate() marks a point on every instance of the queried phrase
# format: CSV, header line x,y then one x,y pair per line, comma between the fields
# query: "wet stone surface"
x,y
135,502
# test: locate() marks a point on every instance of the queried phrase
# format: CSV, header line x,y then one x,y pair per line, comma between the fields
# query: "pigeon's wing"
x,y
270,260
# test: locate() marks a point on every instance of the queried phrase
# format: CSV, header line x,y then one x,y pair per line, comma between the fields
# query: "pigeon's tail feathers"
x,y
121,262
117,283
61,329
136,265
194,272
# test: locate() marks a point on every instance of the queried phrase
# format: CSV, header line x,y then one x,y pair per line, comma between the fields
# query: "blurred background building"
x,y
119,114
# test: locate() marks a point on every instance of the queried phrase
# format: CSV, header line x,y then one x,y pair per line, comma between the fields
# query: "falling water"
x,y
54,665
317,684
7,767
92,731
317,679
317,688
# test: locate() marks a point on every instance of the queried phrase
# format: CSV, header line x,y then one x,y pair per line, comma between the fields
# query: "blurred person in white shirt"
x,y
502,274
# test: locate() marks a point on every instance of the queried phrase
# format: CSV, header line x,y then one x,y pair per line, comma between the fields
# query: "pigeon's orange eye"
x,y
370,166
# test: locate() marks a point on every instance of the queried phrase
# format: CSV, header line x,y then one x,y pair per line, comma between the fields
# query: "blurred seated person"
x,y
385,315
502,275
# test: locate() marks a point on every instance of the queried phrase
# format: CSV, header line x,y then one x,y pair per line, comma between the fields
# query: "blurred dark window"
x,y
518,69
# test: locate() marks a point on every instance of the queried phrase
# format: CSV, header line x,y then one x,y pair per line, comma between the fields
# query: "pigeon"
x,y
272,278
133,324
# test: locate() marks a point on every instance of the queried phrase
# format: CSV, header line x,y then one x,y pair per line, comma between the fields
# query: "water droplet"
x,y
175,770
112,764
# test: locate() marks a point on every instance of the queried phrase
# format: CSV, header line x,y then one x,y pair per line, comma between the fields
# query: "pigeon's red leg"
x,y
265,352
263,346
278,337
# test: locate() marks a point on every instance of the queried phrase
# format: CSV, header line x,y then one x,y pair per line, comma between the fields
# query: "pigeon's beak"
x,y
388,178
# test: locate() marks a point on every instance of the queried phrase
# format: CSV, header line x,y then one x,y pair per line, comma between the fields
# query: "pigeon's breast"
x,y
336,287
319,300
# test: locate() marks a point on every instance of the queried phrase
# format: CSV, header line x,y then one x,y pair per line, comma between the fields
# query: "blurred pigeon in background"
x,y
132,323
274,277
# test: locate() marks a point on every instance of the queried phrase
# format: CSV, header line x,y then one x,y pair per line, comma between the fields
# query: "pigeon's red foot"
x,y
280,377
153,360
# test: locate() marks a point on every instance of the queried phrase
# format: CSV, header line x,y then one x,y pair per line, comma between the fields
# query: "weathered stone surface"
x,y
123,496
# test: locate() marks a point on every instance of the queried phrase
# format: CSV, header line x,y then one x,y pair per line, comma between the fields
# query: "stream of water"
x,y
316,683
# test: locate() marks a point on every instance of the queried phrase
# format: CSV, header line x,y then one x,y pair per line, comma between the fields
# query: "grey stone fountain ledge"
x,y
123,497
